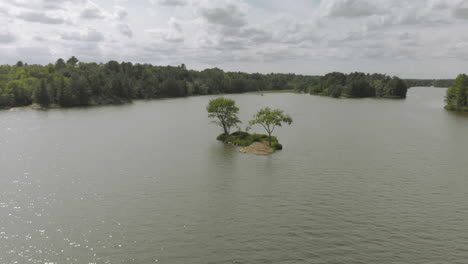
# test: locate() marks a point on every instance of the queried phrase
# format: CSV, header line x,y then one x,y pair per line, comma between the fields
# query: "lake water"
x,y
359,181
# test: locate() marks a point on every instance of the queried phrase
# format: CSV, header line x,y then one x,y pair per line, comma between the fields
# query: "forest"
x,y
358,84
457,94
73,83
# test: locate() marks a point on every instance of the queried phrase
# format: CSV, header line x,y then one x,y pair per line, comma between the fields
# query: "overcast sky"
x,y
409,38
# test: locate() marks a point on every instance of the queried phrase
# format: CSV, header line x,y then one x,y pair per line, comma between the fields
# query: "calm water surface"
x,y
359,181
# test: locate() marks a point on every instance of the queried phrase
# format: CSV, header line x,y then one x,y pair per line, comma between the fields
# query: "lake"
x,y
359,181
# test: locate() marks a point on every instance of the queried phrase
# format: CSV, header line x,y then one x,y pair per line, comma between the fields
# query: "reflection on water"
x,y
359,181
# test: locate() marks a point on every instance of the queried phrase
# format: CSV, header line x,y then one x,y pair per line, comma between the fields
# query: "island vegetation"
x,y
225,114
457,94
358,85
270,119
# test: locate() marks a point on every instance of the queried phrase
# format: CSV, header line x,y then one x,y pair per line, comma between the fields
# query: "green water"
x,y
359,181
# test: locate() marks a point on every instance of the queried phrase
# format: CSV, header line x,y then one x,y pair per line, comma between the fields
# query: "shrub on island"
x,y
244,139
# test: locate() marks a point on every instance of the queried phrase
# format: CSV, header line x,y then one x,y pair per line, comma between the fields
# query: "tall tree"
x,y
270,119
225,111
64,94
72,61
60,64
42,96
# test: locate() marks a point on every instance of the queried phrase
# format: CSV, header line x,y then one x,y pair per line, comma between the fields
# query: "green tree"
x,y
225,111
6,96
457,95
270,119
42,96
64,94
80,89
72,61
60,64
22,96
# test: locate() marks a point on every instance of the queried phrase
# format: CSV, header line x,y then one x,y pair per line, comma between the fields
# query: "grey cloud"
x,y
125,30
461,12
40,17
90,36
166,35
173,33
3,10
34,54
120,13
87,51
7,37
439,4
92,12
39,38
53,4
229,15
351,8
172,2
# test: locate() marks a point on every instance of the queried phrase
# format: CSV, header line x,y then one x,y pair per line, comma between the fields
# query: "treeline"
x,y
427,82
457,94
357,84
73,83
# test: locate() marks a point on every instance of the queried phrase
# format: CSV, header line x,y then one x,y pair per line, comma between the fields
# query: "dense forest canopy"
x,y
359,84
457,94
73,83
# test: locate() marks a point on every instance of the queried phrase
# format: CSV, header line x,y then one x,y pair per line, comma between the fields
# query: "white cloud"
x,y
90,35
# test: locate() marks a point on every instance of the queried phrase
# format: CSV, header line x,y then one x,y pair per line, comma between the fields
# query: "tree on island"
x,y
269,119
225,111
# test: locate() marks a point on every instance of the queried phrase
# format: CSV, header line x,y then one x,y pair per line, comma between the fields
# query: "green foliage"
x,y
72,61
359,84
245,139
335,90
74,83
276,146
225,112
6,96
270,119
41,95
222,137
457,95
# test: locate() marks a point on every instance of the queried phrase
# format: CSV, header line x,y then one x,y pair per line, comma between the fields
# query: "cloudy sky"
x,y
409,38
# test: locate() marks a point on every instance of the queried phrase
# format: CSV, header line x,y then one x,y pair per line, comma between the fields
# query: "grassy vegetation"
x,y
245,139
455,108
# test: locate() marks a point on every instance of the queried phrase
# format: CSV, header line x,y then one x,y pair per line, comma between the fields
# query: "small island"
x,y
225,111
251,143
